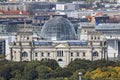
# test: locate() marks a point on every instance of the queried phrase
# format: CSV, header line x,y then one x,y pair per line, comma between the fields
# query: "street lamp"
x,y
80,75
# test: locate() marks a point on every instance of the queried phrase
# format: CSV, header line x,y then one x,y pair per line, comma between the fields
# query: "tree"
x,y
1,57
32,74
5,72
62,72
79,64
75,74
43,71
106,73
16,74
90,1
3,0
50,63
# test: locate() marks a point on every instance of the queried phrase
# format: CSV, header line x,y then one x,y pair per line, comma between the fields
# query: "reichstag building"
x,y
60,41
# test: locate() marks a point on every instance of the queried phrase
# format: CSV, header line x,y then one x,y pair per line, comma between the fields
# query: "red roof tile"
x,y
14,12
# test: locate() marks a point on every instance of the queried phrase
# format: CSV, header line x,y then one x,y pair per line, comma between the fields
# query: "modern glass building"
x,y
58,28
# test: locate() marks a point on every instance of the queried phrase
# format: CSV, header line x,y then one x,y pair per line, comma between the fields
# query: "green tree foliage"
x,y
61,72
50,63
32,74
43,71
5,72
3,0
106,73
1,56
79,64
49,69
90,1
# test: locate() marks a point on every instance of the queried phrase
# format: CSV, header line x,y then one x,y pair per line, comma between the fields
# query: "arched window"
x,y
95,53
60,60
24,54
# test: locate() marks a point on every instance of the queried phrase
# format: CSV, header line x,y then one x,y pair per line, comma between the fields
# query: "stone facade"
x,y
26,48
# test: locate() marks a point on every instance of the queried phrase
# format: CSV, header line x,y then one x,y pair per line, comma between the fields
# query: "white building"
x,y
66,6
112,34
118,1
4,45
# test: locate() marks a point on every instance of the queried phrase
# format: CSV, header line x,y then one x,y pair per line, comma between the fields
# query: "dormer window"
x,y
24,54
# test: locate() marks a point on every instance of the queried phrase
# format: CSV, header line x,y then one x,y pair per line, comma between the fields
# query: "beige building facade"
x,y
28,48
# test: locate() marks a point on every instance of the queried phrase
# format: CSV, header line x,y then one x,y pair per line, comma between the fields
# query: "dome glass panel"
x,y
58,28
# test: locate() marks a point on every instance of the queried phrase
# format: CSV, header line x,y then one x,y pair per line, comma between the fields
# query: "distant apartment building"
x,y
4,45
7,6
117,1
32,0
26,8
76,5
67,6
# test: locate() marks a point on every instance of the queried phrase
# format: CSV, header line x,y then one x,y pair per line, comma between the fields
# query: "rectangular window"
x,y
71,59
42,54
95,53
48,54
27,38
71,54
60,53
84,54
36,54
78,54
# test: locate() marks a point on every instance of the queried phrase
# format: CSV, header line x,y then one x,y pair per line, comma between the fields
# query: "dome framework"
x,y
58,28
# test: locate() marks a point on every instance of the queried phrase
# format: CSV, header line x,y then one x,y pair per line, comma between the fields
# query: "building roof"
x,y
58,28
14,12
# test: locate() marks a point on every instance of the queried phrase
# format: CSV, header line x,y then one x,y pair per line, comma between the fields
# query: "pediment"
x,y
61,46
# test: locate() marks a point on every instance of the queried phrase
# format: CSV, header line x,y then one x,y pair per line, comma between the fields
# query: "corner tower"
x,y
22,48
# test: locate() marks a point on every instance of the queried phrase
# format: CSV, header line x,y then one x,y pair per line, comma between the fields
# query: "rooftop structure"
x,y
58,29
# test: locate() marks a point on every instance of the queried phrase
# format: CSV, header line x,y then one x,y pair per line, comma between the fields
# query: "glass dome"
x,y
58,28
